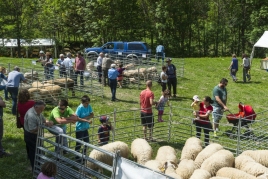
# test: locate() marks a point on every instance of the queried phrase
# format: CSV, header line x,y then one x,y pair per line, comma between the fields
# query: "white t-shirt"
x,y
68,63
246,62
163,74
99,61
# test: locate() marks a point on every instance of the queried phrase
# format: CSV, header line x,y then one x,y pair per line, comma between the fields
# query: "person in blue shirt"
x,y
233,67
160,52
84,112
112,76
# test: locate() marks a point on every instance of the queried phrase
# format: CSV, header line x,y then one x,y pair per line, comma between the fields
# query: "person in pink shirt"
x,y
79,68
48,171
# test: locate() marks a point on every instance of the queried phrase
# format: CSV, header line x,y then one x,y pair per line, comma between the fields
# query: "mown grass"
x,y
200,76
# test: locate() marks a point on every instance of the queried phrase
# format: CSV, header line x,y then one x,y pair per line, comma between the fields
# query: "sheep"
x,y
263,176
249,165
219,178
141,150
62,82
200,174
170,170
151,69
31,76
206,153
34,93
129,66
233,173
90,66
166,153
191,148
37,84
260,156
102,157
154,165
185,168
54,90
222,158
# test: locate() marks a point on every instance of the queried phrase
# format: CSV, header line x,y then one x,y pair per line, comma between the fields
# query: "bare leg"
x,y
145,131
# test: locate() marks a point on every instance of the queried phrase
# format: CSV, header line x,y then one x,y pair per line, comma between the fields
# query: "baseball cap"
x,y
196,98
42,52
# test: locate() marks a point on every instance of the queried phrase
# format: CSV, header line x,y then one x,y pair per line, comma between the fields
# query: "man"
x,y
68,63
112,75
172,77
60,116
33,118
2,151
146,103
106,64
61,66
13,83
79,68
160,52
99,65
219,97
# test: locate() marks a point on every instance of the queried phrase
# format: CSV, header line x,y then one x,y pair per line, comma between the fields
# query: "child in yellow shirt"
x,y
196,106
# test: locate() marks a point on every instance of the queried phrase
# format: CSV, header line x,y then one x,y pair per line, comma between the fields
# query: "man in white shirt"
x,y
68,63
99,64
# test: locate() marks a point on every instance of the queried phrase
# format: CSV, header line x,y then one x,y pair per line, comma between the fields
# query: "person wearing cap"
x,y
172,77
79,68
104,130
41,57
61,66
112,76
106,64
13,83
196,106
99,65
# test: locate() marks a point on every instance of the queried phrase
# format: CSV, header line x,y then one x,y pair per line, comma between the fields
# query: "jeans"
x,y
81,135
173,82
113,83
246,74
233,74
160,55
105,76
99,69
5,90
14,95
206,130
81,74
30,140
60,139
49,73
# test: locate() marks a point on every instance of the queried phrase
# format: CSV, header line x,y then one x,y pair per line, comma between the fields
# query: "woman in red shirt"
x,y
203,121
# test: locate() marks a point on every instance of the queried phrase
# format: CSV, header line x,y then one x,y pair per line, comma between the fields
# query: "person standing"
x,y
79,68
246,68
219,96
61,66
33,118
13,83
2,78
172,77
68,64
106,64
120,76
164,77
49,67
112,75
3,153
146,103
160,52
233,67
99,65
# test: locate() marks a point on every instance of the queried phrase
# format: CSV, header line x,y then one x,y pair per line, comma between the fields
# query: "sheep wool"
x,y
233,173
171,170
200,174
185,168
111,147
218,160
166,153
219,178
263,176
260,156
141,150
154,165
192,147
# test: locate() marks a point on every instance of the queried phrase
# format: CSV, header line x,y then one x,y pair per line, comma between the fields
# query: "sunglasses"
x,y
61,108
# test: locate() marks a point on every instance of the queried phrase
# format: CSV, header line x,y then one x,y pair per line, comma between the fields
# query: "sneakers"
x,y
4,154
160,120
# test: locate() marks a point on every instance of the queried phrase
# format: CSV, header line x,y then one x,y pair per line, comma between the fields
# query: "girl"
x,y
161,103
120,76
48,171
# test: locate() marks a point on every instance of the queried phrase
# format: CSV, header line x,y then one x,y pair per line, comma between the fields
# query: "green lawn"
x,y
200,76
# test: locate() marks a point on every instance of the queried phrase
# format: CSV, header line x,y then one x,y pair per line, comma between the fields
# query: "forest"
x,y
187,28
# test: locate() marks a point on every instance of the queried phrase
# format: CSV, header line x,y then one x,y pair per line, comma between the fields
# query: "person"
x,y
219,96
99,65
172,77
104,130
196,106
41,57
68,64
164,77
3,81
146,102
61,66
3,153
84,112
246,68
13,82
49,67
48,171
33,118
161,104
60,116
106,64
112,75
203,121
120,76
160,52
233,67
79,68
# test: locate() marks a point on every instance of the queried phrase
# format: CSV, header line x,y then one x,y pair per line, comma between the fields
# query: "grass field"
x,y
200,76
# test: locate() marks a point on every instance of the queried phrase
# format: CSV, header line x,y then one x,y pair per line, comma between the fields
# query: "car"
x,y
132,50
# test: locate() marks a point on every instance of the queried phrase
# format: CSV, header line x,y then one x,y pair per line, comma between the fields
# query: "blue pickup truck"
x,y
117,49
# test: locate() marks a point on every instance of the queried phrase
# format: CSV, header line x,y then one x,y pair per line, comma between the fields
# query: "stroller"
x,y
247,116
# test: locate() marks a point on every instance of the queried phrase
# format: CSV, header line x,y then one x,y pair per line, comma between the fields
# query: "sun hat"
x,y
196,98
113,65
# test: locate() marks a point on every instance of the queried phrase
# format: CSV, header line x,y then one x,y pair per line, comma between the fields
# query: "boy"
x,y
104,130
196,106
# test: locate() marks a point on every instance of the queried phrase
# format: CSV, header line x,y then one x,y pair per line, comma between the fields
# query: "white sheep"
x,y
218,160
31,76
166,153
170,170
141,150
34,93
260,156
185,168
249,165
200,174
129,66
233,173
219,178
37,84
54,90
152,69
191,148
154,165
111,147
206,153
90,66
263,176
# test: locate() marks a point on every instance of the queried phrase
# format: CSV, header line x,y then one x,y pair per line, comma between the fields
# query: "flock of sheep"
x,y
212,162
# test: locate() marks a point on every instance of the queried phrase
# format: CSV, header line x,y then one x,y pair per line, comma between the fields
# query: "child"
x,y
196,106
161,103
104,130
120,76
163,77
48,171
233,67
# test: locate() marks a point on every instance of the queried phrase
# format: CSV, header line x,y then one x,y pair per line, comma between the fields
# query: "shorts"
x,y
160,112
217,114
120,78
147,119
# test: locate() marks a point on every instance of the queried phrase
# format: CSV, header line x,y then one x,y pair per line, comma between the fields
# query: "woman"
x,y
3,80
164,77
203,121
246,68
49,67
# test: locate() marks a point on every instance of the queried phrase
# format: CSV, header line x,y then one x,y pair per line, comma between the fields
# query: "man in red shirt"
x,y
79,68
146,103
